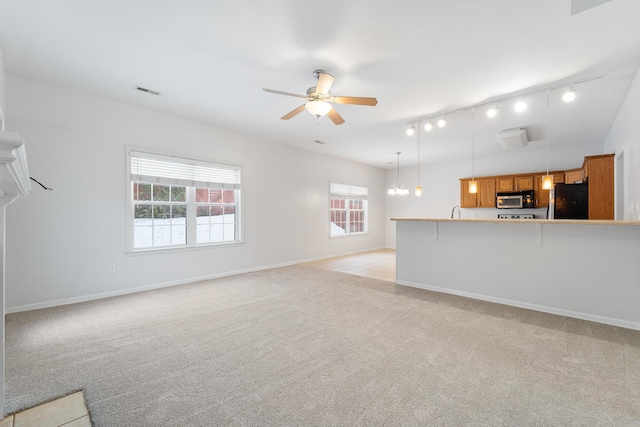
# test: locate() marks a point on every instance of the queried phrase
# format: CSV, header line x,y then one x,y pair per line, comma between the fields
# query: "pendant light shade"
x,y
473,187
547,182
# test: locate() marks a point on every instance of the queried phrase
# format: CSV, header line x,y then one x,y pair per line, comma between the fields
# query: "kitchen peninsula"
x,y
577,268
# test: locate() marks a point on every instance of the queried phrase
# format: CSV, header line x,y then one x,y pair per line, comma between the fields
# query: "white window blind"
x,y
156,168
345,191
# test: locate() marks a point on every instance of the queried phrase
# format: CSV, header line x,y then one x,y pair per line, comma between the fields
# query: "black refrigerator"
x,y
571,201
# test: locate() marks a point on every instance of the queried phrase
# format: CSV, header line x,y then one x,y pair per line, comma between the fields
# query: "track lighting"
x,y
569,95
493,106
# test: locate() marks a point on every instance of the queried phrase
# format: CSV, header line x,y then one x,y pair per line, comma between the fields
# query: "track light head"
x,y
411,130
493,111
569,95
442,122
520,106
428,126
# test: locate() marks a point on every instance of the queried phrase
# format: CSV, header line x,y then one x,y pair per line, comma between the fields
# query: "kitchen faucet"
x,y
454,209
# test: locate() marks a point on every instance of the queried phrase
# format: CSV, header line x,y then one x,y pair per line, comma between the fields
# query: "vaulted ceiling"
x,y
210,61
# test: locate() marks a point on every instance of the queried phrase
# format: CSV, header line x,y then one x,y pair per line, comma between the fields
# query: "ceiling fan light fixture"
x,y
318,108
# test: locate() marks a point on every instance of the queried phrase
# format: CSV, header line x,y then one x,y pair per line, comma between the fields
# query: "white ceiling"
x,y
211,59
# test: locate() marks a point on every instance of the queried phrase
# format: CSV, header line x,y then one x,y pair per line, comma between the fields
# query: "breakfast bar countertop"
x,y
526,221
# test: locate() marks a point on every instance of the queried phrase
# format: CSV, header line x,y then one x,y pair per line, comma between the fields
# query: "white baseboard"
x,y
91,297
552,310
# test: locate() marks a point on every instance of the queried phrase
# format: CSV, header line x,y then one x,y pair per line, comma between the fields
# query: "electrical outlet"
x,y
112,268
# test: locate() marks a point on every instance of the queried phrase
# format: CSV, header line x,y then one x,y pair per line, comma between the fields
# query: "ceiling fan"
x,y
320,99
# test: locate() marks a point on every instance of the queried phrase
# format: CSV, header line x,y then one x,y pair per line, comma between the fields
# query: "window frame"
x,y
348,193
191,215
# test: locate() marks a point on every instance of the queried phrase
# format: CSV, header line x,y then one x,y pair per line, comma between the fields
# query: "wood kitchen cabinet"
x,y
573,176
523,183
598,171
599,174
541,196
484,198
504,183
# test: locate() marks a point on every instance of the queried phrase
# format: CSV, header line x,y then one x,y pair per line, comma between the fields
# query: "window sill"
x,y
151,251
342,236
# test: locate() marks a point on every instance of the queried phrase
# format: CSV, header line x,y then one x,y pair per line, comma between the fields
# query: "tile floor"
x,y
71,411
380,264
68,411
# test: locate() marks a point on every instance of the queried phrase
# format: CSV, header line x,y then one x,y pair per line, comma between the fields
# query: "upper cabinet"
x,y
597,171
484,198
524,182
541,195
573,176
504,183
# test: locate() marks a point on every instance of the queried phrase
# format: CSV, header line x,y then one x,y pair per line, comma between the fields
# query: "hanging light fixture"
x,y
473,184
318,108
397,189
547,180
418,190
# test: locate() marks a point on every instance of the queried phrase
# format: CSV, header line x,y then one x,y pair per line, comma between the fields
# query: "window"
x,y
179,202
348,209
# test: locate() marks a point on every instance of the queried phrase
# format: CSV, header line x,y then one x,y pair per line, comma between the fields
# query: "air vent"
x,y
144,89
513,138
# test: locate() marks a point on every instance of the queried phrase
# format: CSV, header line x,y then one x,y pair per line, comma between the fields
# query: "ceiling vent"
x,y
145,90
513,138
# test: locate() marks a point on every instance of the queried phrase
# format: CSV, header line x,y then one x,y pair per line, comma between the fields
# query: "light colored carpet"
x,y
302,345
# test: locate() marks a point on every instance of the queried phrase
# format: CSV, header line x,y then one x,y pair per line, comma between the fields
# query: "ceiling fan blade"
x,y
354,100
335,117
279,92
293,113
324,83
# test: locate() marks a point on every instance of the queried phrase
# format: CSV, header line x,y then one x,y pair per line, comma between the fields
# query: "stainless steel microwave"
x,y
515,200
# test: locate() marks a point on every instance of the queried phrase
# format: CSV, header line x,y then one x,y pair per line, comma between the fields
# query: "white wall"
x,y
624,139
61,242
3,88
441,185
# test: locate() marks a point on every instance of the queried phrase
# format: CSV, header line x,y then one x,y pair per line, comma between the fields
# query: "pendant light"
x,y
547,180
397,189
473,184
418,190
